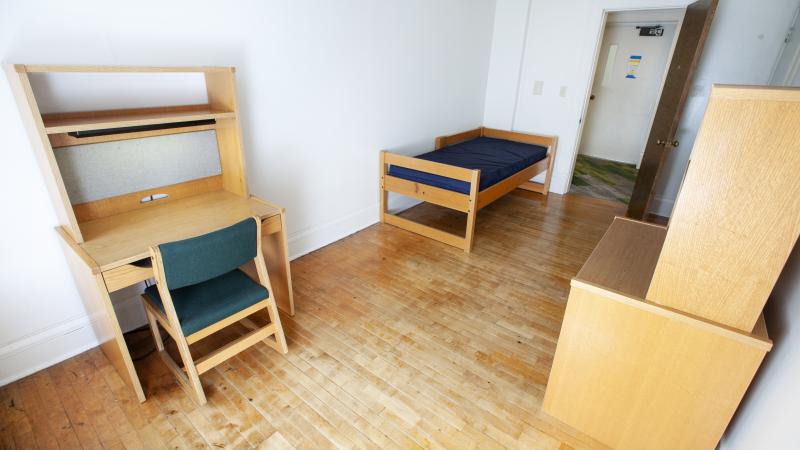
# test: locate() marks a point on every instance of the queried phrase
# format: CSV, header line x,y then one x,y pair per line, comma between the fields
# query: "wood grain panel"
x,y
99,120
124,238
426,193
128,202
625,258
634,379
737,216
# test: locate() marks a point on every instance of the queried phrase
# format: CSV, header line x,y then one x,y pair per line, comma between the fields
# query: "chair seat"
x,y
203,304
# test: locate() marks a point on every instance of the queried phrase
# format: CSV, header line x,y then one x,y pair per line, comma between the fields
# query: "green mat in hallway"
x,y
601,178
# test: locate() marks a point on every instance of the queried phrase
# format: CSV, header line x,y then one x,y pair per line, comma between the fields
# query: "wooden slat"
x,y
64,140
45,68
444,170
497,190
213,359
533,187
424,230
221,91
430,194
444,141
230,320
111,206
99,120
516,136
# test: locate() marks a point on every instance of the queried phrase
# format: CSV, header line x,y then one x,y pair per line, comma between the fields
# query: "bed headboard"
x,y
536,139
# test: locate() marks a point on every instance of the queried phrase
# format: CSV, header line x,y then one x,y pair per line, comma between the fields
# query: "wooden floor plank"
x,y
398,342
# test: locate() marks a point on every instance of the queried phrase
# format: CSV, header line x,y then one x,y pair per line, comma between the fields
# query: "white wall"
x,y
742,48
322,86
768,415
559,49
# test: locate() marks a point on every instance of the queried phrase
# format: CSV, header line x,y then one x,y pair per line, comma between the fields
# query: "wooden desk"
x,y
115,254
635,374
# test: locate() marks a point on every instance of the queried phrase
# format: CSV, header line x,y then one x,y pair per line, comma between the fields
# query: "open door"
x,y
677,84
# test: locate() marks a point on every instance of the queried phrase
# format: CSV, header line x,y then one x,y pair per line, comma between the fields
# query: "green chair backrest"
x,y
202,258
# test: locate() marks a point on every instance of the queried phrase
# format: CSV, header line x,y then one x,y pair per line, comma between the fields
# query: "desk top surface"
x,y
125,238
625,258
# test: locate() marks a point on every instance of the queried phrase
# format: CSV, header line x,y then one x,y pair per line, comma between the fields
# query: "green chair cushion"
x,y
203,304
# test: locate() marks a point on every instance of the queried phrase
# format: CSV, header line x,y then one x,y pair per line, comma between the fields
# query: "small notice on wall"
x,y
633,66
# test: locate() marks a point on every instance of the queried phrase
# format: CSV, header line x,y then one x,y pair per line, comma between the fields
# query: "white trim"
x,y
50,346
314,238
521,66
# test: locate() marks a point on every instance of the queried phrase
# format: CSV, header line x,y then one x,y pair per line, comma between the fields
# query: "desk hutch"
x,y
106,240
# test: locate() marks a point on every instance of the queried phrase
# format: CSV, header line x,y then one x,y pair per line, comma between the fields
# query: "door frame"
x,y
595,60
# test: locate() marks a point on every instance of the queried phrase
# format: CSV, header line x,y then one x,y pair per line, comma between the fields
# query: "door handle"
x,y
674,143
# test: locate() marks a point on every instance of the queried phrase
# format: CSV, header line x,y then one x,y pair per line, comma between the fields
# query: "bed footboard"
x,y
466,203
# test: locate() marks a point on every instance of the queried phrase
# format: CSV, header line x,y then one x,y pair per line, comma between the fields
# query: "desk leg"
x,y
95,296
276,256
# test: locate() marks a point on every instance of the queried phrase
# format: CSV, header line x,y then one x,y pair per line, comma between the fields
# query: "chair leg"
x,y
151,319
280,339
191,372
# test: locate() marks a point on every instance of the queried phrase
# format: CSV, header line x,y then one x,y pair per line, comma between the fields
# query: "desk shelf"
x,y
106,239
100,120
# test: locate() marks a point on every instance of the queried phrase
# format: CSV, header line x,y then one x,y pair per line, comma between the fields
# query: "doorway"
x,y
635,50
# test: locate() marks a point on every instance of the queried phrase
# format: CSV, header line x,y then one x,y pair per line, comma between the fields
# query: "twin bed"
x,y
466,172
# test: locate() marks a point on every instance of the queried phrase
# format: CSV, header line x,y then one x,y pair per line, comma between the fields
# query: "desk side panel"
x,y
276,258
633,379
93,291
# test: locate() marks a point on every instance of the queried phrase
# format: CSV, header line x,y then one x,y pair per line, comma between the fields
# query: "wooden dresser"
x,y
664,330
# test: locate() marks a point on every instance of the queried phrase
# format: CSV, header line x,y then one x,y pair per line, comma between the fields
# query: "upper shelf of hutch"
x,y
98,120
50,68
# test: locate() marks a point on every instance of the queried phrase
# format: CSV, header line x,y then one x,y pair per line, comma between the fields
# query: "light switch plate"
x,y
563,91
538,87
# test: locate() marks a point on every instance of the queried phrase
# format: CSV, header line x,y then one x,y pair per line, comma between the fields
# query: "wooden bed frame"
x,y
467,203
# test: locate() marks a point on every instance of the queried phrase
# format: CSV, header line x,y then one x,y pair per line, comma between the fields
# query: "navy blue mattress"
x,y
497,160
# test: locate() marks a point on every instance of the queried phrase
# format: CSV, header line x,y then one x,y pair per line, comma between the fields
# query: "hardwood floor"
x,y
398,342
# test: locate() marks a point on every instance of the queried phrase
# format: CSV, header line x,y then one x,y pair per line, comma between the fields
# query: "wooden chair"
x,y
200,290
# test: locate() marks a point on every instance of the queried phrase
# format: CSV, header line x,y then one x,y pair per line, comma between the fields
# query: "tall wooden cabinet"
x,y
663,330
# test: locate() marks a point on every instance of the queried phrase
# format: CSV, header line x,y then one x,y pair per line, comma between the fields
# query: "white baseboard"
x,y
310,239
64,340
42,349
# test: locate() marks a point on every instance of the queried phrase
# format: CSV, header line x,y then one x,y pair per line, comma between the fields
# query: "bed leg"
x,y
472,212
384,196
551,154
